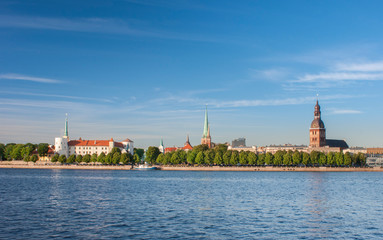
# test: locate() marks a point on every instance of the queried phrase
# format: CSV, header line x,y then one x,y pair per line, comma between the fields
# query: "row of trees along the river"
x,y
202,155
13,151
24,152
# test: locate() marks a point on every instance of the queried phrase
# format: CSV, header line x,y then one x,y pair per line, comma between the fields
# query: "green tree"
x,y
200,158
2,151
71,159
347,159
16,152
55,158
243,158
227,157
101,158
339,159
305,158
86,158
8,151
314,157
136,159
78,159
124,158
218,158
191,155
176,158
262,159
114,150
116,157
209,156
34,158
108,158
201,148
152,154
269,159
43,149
287,159
62,159
139,151
93,158
252,158
220,148
297,158
168,158
361,159
331,159
322,159
160,159
234,160
278,158
27,158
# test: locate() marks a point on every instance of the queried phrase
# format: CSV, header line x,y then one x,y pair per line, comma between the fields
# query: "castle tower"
x,y
317,129
61,143
161,147
206,139
66,127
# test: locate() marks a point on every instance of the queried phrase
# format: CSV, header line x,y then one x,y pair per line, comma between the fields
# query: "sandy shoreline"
x,y
22,164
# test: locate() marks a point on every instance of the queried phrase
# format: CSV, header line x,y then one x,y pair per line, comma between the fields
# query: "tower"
x,y
161,147
206,139
66,126
317,129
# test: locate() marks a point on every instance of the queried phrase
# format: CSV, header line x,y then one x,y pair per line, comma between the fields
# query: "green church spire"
x,y
66,126
206,125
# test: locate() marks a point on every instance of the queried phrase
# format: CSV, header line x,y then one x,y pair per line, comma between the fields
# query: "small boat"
x,y
146,167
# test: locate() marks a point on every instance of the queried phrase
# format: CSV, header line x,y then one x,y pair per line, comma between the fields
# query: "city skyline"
x,y
146,69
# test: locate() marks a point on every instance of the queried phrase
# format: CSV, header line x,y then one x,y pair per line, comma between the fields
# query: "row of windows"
x,y
102,148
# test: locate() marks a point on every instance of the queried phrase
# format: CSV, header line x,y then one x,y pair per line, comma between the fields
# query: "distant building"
x,y
206,138
375,161
318,141
161,147
355,150
245,149
64,146
187,147
286,147
317,129
374,150
239,142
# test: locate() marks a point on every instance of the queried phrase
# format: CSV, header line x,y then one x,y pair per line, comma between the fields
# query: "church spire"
x,y
66,126
206,125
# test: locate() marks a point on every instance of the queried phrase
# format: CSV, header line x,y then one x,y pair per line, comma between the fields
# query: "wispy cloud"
x,y
344,111
273,74
339,76
361,67
94,25
57,96
15,76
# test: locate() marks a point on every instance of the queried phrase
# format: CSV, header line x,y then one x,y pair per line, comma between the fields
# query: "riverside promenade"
x,y
30,165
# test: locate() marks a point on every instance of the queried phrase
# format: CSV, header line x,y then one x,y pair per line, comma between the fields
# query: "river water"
x,y
97,204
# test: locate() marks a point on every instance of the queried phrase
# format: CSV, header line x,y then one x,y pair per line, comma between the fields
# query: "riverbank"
x,y
30,165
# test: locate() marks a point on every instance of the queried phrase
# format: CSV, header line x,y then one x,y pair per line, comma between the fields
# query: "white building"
x,y
64,146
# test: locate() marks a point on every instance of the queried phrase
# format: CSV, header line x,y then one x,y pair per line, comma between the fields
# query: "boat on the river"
x,y
146,166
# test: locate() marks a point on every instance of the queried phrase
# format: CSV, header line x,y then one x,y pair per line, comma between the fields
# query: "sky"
x,y
145,69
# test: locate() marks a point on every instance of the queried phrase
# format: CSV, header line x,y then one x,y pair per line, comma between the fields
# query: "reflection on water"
x,y
43,204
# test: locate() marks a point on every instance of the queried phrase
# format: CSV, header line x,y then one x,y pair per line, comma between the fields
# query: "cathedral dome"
x,y
317,123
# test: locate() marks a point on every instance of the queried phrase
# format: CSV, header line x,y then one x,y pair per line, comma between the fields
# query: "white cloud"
x,y
15,76
339,76
361,67
344,111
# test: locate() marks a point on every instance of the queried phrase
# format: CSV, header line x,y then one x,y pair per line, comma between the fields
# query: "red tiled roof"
x,y
88,143
170,149
127,140
187,146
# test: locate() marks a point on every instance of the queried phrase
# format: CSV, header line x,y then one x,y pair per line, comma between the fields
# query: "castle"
x,y
64,146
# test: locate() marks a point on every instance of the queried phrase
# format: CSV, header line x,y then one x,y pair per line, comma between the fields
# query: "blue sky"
x,y
145,70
